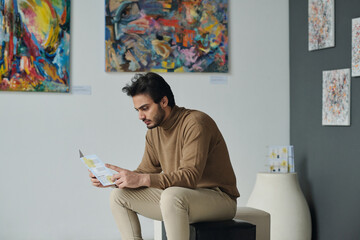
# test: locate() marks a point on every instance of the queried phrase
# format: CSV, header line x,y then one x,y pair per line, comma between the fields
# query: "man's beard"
x,y
158,118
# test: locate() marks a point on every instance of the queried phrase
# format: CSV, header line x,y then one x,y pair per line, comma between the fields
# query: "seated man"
x,y
185,175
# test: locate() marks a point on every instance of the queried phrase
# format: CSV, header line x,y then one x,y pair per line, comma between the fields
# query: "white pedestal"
x,y
280,195
158,230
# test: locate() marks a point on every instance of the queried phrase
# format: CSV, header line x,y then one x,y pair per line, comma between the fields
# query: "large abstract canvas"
x,y
355,47
34,45
321,24
336,97
166,35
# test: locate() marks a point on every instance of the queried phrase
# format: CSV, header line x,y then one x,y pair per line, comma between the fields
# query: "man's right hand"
x,y
95,182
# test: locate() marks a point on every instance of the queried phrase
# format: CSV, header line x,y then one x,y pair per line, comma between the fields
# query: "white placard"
x,y
81,90
218,79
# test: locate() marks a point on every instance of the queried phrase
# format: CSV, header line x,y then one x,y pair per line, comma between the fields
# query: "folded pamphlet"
x,y
98,168
281,159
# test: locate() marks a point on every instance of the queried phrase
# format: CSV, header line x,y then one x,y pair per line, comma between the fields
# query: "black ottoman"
x,y
222,230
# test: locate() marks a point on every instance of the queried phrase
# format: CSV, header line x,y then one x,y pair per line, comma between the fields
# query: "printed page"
x,y
97,167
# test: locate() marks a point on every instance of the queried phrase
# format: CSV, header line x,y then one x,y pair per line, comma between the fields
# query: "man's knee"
x,y
173,197
119,197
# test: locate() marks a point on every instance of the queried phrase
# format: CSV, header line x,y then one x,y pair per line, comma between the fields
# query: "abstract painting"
x,y
166,35
355,56
34,45
321,24
336,97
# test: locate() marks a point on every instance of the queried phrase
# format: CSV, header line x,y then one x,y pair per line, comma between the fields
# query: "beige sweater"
x,y
188,150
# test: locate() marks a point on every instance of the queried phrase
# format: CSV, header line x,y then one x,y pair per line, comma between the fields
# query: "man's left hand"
x,y
128,179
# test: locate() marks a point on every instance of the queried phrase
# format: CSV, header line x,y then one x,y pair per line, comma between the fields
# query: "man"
x,y
185,175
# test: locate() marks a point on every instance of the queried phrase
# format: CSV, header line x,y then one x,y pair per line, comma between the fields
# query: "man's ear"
x,y
164,102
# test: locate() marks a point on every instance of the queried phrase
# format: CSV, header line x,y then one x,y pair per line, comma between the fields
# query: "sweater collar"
x,y
169,122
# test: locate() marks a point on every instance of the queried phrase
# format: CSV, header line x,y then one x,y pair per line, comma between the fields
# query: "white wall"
x,y
44,189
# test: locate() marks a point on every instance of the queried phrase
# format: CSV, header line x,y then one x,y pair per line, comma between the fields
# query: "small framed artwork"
x,y
321,22
355,50
336,97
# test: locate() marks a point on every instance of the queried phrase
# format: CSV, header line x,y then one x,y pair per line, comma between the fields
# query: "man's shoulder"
x,y
195,116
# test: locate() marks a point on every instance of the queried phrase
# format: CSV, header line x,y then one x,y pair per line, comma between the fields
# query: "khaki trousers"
x,y
176,206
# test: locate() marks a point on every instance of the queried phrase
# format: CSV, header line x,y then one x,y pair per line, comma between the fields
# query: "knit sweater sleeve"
x,y
193,160
149,163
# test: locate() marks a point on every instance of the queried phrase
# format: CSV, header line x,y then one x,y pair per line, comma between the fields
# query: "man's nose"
x,y
141,115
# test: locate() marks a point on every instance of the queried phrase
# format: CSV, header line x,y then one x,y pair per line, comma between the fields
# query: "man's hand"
x,y
95,181
129,179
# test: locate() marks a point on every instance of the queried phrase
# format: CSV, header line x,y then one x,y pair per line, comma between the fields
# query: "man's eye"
x,y
126,12
130,11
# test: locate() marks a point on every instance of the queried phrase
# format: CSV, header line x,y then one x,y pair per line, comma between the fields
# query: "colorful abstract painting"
x,y
34,45
321,24
336,97
166,35
355,47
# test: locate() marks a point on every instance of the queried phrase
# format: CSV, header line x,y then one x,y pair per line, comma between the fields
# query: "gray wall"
x,y
327,158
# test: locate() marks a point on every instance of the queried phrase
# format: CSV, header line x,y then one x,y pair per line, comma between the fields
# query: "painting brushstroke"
x,y
336,97
321,24
355,53
166,35
35,45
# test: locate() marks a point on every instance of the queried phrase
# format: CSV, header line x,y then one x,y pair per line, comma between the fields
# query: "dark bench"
x,y
221,230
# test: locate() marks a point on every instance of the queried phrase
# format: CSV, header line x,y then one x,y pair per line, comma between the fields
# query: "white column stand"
x,y
280,195
158,235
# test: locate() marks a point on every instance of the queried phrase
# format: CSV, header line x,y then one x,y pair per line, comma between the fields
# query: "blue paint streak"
x,y
15,7
107,34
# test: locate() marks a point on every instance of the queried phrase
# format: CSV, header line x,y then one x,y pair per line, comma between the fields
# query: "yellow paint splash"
x,y
42,21
89,162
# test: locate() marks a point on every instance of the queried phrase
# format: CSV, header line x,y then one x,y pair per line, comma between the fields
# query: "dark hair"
x,y
152,84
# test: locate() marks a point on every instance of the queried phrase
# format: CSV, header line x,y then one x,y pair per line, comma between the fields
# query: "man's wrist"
x,y
146,180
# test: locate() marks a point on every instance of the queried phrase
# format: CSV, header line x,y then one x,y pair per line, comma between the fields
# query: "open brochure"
x,y
98,168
